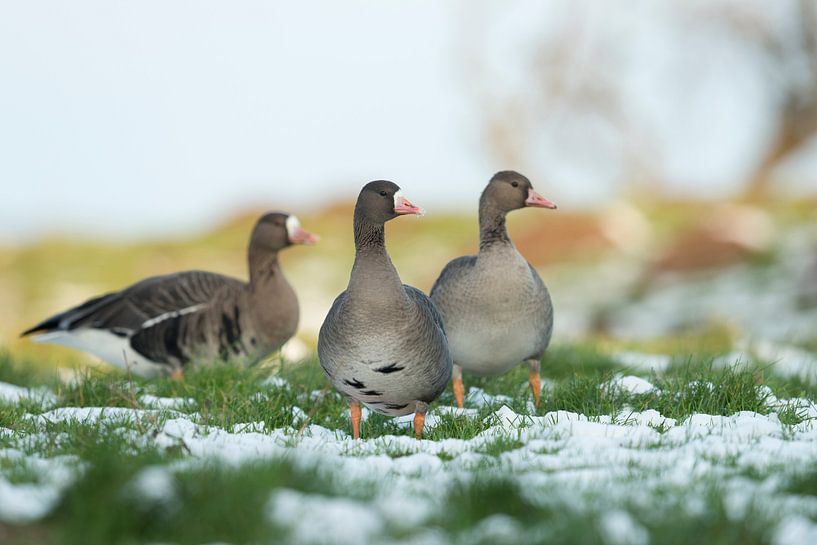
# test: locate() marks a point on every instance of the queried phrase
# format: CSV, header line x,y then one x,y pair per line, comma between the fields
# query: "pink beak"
x,y
299,236
403,206
535,200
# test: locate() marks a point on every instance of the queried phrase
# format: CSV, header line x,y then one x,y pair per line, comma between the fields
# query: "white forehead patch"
x,y
293,224
398,195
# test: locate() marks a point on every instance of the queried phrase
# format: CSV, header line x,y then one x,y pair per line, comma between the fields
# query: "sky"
x,y
147,117
160,117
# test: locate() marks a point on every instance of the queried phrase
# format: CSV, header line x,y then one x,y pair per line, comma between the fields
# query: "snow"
x,y
782,359
796,530
756,302
256,427
639,361
10,393
319,519
26,502
630,384
585,464
154,484
621,529
478,398
91,415
275,382
786,360
567,459
178,403
497,529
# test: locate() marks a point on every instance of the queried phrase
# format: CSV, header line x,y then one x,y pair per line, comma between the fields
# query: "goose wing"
x,y
143,304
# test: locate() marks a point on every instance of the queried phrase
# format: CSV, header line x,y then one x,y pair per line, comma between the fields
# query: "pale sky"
x,y
159,117
148,117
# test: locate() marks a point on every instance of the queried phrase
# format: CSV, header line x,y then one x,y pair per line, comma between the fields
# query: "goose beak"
x,y
299,236
296,235
403,206
535,200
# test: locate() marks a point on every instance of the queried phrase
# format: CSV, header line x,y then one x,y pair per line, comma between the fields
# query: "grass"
x,y
19,470
225,396
499,445
230,502
208,504
700,387
804,483
474,501
24,371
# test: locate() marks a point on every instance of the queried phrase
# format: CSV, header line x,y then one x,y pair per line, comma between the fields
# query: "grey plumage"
x,y
807,285
164,323
496,309
382,342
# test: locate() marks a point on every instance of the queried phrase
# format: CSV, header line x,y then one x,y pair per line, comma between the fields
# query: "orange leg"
x,y
535,381
354,408
420,419
177,374
458,386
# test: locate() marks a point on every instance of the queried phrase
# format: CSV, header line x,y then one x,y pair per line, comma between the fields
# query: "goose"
x,y
162,324
382,343
496,309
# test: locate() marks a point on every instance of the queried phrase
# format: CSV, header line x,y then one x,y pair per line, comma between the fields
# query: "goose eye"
x,y
515,184
383,193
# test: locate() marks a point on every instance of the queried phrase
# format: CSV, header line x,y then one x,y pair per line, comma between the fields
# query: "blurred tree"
x,y
795,56
652,95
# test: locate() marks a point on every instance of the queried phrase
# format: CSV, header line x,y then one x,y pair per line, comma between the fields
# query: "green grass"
x,y
209,504
225,396
470,502
500,444
804,483
24,371
18,470
699,387
222,502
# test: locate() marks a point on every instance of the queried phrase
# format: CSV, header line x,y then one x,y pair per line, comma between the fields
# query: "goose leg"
x,y
420,419
177,374
457,385
354,408
535,381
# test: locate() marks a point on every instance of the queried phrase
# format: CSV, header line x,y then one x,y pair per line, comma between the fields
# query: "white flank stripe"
x,y
172,314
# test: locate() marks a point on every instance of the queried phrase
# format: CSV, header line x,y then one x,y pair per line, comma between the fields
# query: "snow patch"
x,y
154,484
629,384
619,528
27,502
795,530
10,393
317,519
788,361
479,398
640,361
275,381
92,415
178,403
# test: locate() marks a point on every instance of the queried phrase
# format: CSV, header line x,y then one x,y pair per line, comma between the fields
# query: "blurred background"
x,y
679,139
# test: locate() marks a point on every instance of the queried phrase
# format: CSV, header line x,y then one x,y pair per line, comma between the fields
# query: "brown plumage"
x,y
165,323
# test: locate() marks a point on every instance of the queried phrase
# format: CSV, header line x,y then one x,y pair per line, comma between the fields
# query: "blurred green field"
x,y
44,277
